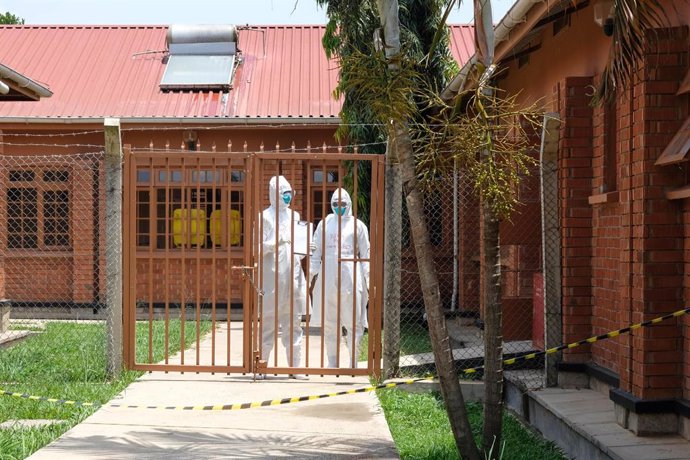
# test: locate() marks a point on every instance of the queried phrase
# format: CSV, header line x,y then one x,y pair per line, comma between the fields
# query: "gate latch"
x,y
244,268
246,274
260,365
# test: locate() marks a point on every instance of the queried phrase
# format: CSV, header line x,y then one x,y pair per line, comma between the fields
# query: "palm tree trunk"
x,y
493,337
443,357
393,246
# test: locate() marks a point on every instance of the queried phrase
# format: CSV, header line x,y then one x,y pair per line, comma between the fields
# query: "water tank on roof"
x,y
201,39
201,57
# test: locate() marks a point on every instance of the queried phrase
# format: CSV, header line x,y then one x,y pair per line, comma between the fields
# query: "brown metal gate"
x,y
195,263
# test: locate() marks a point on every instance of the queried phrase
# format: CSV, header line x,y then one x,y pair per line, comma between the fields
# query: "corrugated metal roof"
x,y
462,43
95,72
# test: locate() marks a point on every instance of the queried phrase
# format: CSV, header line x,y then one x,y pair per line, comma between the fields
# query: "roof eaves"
x,y
234,121
23,84
514,17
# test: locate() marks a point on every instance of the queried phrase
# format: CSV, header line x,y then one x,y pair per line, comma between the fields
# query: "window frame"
x,y
315,187
41,187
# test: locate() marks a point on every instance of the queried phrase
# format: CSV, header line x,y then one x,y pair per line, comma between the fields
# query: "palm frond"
x,y
634,22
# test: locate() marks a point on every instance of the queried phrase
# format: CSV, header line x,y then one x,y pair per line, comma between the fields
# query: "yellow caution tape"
x,y
278,402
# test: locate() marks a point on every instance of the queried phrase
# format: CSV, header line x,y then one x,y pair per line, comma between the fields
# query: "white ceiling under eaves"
x,y
200,57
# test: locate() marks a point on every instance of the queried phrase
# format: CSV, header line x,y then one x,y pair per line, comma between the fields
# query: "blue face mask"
x,y
287,197
339,210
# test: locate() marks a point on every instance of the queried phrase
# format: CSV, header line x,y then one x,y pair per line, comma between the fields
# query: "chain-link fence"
x,y
53,265
53,284
454,224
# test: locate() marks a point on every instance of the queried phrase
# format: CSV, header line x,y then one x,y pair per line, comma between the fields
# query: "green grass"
x,y
419,425
415,339
67,361
21,327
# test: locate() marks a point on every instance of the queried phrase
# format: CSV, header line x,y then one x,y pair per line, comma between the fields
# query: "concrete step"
x,y
582,422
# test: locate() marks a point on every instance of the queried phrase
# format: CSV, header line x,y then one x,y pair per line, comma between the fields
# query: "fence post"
x,y
551,244
113,245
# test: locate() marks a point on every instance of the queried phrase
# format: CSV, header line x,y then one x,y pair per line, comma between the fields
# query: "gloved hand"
x,y
312,246
283,240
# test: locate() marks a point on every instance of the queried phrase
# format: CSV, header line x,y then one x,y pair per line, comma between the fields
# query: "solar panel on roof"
x,y
190,72
201,57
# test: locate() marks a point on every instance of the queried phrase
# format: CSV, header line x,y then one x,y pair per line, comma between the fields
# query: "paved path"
x,y
351,426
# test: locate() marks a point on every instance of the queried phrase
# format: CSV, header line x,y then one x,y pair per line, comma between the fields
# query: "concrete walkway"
x,y
351,426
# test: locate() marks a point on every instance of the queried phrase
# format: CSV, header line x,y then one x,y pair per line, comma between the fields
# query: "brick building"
x,y
622,199
276,92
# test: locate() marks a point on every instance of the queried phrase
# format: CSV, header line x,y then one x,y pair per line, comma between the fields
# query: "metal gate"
x,y
196,263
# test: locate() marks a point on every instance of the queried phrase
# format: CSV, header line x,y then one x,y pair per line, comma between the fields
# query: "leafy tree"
x,y
9,18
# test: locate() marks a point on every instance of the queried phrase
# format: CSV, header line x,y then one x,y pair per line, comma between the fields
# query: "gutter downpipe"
x,y
24,82
516,15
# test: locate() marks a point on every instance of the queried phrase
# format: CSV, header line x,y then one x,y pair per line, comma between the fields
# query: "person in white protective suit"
x,y
277,255
341,235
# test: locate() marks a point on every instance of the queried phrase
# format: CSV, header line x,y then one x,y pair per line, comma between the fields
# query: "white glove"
x,y
282,240
312,246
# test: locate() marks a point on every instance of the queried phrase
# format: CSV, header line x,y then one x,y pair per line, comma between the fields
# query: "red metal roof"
x,y
462,43
95,72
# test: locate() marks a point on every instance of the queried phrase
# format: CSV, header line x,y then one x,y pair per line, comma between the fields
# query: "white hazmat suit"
x,y
342,280
275,252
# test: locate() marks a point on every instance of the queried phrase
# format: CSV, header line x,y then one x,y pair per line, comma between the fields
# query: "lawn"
x,y
66,361
419,425
415,339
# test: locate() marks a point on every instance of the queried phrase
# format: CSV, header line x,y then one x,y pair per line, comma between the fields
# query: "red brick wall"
x,y
609,281
575,185
686,319
39,279
154,281
651,368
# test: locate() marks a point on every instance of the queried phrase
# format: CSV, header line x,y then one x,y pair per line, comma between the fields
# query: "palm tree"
x,y
395,102
633,20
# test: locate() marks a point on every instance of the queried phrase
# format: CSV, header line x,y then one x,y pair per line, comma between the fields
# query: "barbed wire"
x,y
45,157
214,127
29,144
313,148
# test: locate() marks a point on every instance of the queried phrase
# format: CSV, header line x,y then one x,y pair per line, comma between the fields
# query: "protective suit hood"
x,y
283,186
342,196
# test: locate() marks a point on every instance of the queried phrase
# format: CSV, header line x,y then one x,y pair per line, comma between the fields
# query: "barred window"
x,y
38,210
194,208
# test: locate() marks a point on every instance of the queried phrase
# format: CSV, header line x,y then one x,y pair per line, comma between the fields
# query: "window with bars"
x,y
183,209
38,209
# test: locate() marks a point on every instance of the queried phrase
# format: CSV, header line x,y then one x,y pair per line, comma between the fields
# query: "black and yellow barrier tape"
x,y
279,402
